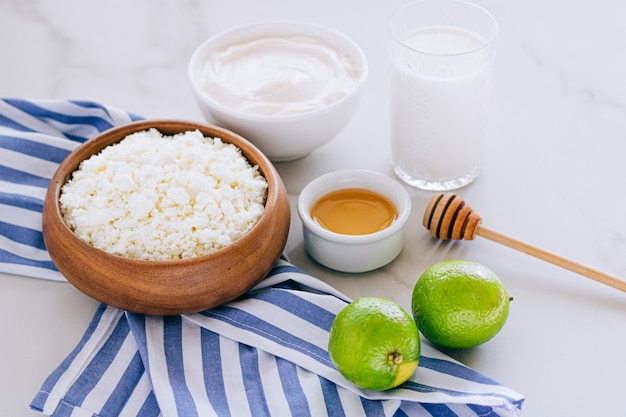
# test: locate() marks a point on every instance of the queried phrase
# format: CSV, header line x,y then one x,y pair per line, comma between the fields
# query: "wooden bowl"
x,y
177,286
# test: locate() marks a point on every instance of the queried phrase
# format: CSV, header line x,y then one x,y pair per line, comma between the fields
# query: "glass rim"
x,y
488,40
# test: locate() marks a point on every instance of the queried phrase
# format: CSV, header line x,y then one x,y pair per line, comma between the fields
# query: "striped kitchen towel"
x,y
263,354
35,136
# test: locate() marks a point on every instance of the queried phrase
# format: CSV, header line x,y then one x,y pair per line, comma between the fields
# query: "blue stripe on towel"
x,y
33,109
296,397
212,371
172,338
13,124
122,392
150,408
10,258
248,358
105,109
248,322
55,376
34,149
331,398
22,178
23,235
98,366
299,307
373,407
483,411
456,369
440,410
21,201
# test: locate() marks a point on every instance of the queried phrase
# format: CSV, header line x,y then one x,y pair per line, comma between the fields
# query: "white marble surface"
x,y
553,177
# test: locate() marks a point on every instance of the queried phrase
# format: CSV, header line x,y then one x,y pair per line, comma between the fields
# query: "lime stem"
x,y
394,358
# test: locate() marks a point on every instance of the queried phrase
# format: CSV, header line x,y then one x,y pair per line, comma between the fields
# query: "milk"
x,y
440,86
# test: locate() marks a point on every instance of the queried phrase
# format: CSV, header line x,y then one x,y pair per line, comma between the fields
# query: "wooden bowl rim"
x,y
276,208
116,134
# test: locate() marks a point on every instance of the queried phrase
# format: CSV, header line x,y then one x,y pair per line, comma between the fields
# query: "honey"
x,y
354,211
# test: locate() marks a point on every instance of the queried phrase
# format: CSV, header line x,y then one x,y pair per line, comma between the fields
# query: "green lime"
x,y
459,304
374,343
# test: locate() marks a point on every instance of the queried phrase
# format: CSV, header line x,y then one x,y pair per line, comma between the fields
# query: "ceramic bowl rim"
x,y
277,26
325,183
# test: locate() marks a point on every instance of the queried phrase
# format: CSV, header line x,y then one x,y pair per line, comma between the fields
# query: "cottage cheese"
x,y
158,197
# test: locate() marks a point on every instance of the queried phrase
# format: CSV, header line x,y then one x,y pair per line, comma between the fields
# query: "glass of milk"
x,y
442,55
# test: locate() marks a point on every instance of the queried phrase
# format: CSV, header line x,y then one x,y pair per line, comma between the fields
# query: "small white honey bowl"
x,y
364,239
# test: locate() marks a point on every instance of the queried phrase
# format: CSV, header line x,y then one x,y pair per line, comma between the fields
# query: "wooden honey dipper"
x,y
448,217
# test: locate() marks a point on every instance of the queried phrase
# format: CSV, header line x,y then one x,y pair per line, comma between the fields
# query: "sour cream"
x,y
277,76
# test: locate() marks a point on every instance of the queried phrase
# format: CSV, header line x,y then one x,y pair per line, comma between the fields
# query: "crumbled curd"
x,y
158,197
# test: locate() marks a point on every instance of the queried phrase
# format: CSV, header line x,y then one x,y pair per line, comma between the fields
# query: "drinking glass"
x,y
442,56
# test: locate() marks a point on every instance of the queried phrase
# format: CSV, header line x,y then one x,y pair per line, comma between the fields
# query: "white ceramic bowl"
x,y
280,137
353,253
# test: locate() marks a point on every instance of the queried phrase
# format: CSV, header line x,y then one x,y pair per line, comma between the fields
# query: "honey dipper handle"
x,y
554,259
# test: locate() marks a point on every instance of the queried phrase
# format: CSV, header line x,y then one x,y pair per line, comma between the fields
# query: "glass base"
x,y
436,185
